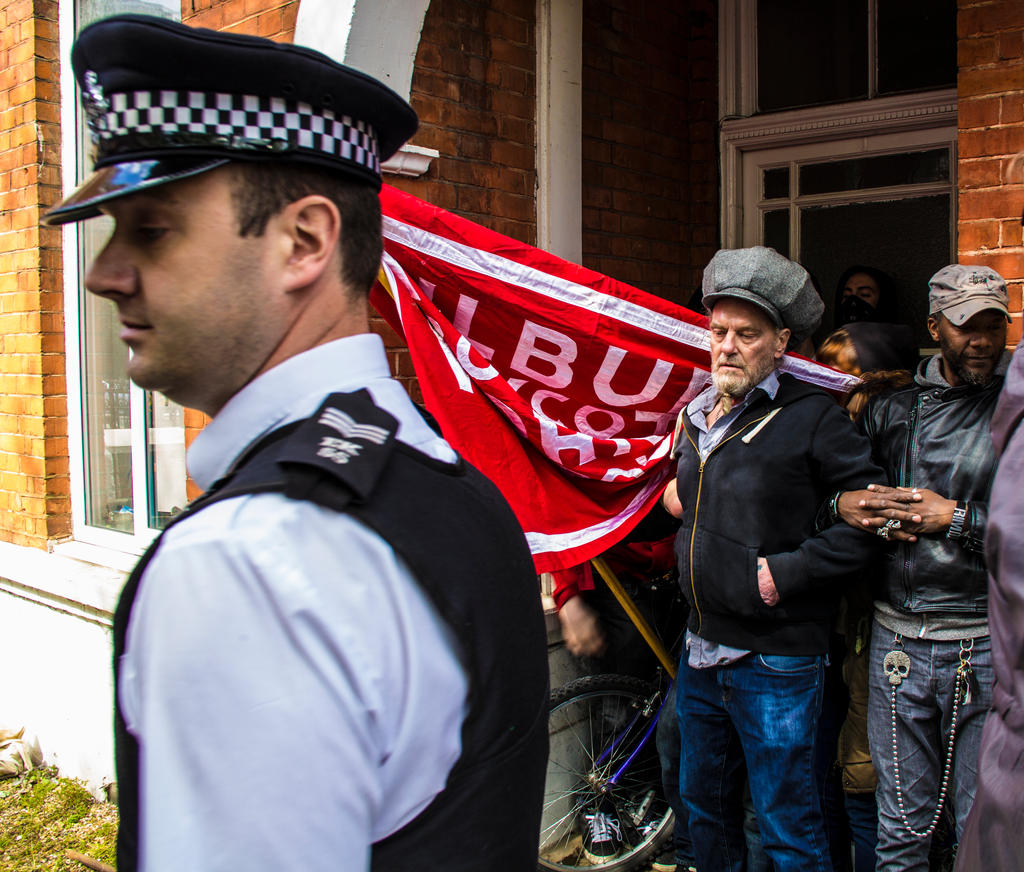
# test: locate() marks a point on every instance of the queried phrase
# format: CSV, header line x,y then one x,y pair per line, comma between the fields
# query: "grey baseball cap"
x,y
959,292
768,280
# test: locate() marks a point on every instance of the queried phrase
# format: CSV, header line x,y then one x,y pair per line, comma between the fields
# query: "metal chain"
x,y
961,675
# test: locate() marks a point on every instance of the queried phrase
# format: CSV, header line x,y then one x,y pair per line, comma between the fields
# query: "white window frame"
x,y
792,152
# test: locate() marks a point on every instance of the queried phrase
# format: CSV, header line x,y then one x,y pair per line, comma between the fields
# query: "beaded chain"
x,y
961,676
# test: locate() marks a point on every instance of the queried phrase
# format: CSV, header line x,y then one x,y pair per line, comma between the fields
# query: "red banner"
x,y
560,384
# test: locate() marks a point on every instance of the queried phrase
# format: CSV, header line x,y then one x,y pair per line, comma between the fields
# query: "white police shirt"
x,y
295,695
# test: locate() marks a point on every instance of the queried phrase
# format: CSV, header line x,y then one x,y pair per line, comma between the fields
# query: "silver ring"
x,y
892,524
883,531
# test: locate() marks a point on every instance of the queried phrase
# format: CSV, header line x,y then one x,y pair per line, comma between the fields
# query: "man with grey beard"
x,y
930,668
759,454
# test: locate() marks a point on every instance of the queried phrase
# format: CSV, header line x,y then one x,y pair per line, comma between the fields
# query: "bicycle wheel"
x,y
604,757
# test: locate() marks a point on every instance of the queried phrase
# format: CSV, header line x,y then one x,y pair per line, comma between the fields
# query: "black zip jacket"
x,y
758,494
931,435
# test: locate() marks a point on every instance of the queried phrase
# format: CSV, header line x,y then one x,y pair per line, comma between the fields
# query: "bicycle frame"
x,y
639,745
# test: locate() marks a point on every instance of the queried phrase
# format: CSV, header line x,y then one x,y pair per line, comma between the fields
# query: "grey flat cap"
x,y
959,292
774,283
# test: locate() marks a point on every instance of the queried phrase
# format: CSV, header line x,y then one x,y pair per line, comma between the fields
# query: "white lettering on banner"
x,y
613,474
527,350
662,420
610,365
552,444
583,424
480,373
465,309
538,398
465,384
464,312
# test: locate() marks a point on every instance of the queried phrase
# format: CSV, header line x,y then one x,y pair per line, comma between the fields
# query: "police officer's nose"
x,y
111,274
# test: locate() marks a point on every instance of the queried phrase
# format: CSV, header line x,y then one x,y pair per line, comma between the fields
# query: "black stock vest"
x,y
464,547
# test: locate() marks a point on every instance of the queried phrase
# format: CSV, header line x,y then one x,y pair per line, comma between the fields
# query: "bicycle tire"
x,y
583,713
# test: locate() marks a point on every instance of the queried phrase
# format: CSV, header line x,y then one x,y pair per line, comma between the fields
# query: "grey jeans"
x,y
924,710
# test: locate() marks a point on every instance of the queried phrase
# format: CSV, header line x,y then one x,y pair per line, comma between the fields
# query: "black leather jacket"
x,y
931,435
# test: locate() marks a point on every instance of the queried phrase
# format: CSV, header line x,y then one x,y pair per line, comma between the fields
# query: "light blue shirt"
x,y
698,408
296,695
702,652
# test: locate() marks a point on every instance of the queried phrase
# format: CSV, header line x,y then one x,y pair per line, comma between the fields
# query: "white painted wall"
x,y
55,647
379,37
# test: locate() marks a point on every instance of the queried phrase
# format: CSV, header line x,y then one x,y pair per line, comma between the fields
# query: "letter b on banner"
x,y
558,372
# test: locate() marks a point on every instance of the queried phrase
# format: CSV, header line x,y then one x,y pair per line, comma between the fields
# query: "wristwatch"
x,y
956,526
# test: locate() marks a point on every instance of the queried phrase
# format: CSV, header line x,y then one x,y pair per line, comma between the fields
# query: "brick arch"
x,y
379,37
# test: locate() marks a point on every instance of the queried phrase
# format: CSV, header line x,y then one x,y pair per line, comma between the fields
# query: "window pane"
x,y
108,442
776,183
776,230
107,421
884,171
165,448
810,52
909,239
916,45
88,11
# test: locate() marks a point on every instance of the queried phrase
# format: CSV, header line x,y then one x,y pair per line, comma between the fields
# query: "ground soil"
x,y
43,816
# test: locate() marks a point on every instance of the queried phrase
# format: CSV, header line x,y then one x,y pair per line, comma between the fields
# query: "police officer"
x,y
334,659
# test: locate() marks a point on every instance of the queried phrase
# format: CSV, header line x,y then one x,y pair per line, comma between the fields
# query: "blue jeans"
x,y
924,710
755,718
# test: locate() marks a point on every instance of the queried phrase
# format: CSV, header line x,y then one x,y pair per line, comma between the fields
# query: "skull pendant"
x,y
897,666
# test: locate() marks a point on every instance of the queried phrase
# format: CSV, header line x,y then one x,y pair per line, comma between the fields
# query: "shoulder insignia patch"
x,y
349,437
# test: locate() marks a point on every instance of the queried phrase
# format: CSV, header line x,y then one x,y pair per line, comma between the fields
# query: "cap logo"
x,y
95,104
978,279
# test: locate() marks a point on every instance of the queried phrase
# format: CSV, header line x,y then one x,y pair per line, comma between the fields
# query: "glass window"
x,y
809,52
883,171
776,183
908,238
916,45
132,442
776,230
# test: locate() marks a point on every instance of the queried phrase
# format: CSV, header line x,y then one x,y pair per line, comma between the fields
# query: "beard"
x,y
966,374
737,384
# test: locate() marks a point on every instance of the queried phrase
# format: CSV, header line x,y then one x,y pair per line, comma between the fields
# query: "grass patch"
x,y
42,816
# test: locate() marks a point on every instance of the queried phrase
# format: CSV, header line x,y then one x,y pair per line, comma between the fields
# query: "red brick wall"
x,y
34,486
474,89
274,19
990,90
650,165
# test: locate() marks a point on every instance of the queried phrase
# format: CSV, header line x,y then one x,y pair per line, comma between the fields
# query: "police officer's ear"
x,y
307,231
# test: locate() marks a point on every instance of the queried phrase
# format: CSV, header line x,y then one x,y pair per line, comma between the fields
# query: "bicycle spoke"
x,y
598,730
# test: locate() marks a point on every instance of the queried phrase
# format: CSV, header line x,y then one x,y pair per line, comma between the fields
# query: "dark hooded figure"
x,y
864,293
866,346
